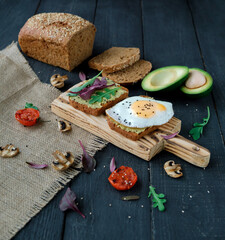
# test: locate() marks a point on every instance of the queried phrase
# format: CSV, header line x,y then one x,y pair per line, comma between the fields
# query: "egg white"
x,y
123,114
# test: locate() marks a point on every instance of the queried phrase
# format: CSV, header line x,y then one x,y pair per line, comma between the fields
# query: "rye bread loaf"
x,y
59,39
115,59
131,74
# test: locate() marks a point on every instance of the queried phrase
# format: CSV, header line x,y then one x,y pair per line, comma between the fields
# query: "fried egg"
x,y
141,112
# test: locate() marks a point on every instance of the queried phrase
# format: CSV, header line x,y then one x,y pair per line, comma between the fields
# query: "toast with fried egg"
x,y
137,116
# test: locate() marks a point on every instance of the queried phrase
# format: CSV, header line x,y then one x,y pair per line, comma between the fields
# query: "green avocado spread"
x,y
95,105
128,129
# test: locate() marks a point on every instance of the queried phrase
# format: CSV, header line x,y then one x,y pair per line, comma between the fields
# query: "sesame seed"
x,y
142,206
208,191
110,205
190,196
104,166
182,211
90,213
82,198
129,216
199,183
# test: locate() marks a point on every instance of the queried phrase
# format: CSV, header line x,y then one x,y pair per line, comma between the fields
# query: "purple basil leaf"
x,y
68,202
169,136
82,76
98,84
37,166
112,165
88,161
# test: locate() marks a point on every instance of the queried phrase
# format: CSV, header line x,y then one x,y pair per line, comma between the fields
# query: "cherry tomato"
x,y
123,178
27,116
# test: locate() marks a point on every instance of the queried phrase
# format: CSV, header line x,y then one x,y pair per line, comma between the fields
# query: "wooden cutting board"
x,y
146,147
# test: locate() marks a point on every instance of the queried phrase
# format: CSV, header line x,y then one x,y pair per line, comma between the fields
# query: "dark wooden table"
x,y
182,32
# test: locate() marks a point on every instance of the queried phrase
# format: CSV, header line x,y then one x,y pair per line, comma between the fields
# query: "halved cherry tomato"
x,y
27,116
123,178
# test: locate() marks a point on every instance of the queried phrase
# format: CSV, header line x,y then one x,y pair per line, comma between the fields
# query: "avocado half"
x,y
165,78
194,87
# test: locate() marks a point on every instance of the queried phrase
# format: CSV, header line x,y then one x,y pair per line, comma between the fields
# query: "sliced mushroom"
x,y
62,160
8,151
64,126
58,81
172,169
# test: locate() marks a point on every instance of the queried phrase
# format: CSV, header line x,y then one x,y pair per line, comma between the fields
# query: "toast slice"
x,y
131,74
99,108
131,133
115,59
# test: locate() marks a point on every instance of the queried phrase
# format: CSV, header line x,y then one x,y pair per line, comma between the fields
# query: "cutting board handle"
x,y
188,151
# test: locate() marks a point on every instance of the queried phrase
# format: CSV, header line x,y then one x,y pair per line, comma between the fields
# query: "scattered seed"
x,y
196,148
129,216
110,205
142,206
182,211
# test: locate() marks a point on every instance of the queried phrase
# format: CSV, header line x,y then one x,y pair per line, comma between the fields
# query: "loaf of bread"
x,y
59,39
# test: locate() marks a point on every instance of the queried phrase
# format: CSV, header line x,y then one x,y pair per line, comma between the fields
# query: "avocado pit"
x,y
195,80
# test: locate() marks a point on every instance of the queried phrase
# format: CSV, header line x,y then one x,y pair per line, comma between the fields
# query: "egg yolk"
x,y
146,109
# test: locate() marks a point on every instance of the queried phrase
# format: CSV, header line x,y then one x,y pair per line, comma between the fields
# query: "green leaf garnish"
x,y
197,129
157,199
106,93
30,105
87,83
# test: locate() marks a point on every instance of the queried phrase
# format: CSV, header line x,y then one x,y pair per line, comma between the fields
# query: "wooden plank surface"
x,y
167,32
192,209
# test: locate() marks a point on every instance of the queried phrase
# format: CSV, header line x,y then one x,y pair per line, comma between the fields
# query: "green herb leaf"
x,y
157,199
197,129
99,95
87,83
30,105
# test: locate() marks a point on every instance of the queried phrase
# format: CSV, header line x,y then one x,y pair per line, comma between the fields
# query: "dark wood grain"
x,y
118,23
193,211
168,32
210,34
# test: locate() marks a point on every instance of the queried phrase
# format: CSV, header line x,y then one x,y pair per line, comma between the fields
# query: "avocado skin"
x,y
172,86
202,92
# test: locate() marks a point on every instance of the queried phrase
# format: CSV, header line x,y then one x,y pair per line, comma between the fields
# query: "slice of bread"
x,y
128,134
131,74
115,59
101,107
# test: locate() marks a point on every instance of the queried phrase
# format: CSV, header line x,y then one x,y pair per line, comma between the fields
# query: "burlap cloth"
x,y
25,191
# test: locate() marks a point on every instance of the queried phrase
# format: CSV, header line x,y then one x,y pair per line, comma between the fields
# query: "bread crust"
x,y
98,111
131,135
131,74
59,39
100,62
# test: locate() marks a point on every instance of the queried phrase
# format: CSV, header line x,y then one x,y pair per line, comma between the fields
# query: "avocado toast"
x,y
95,95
